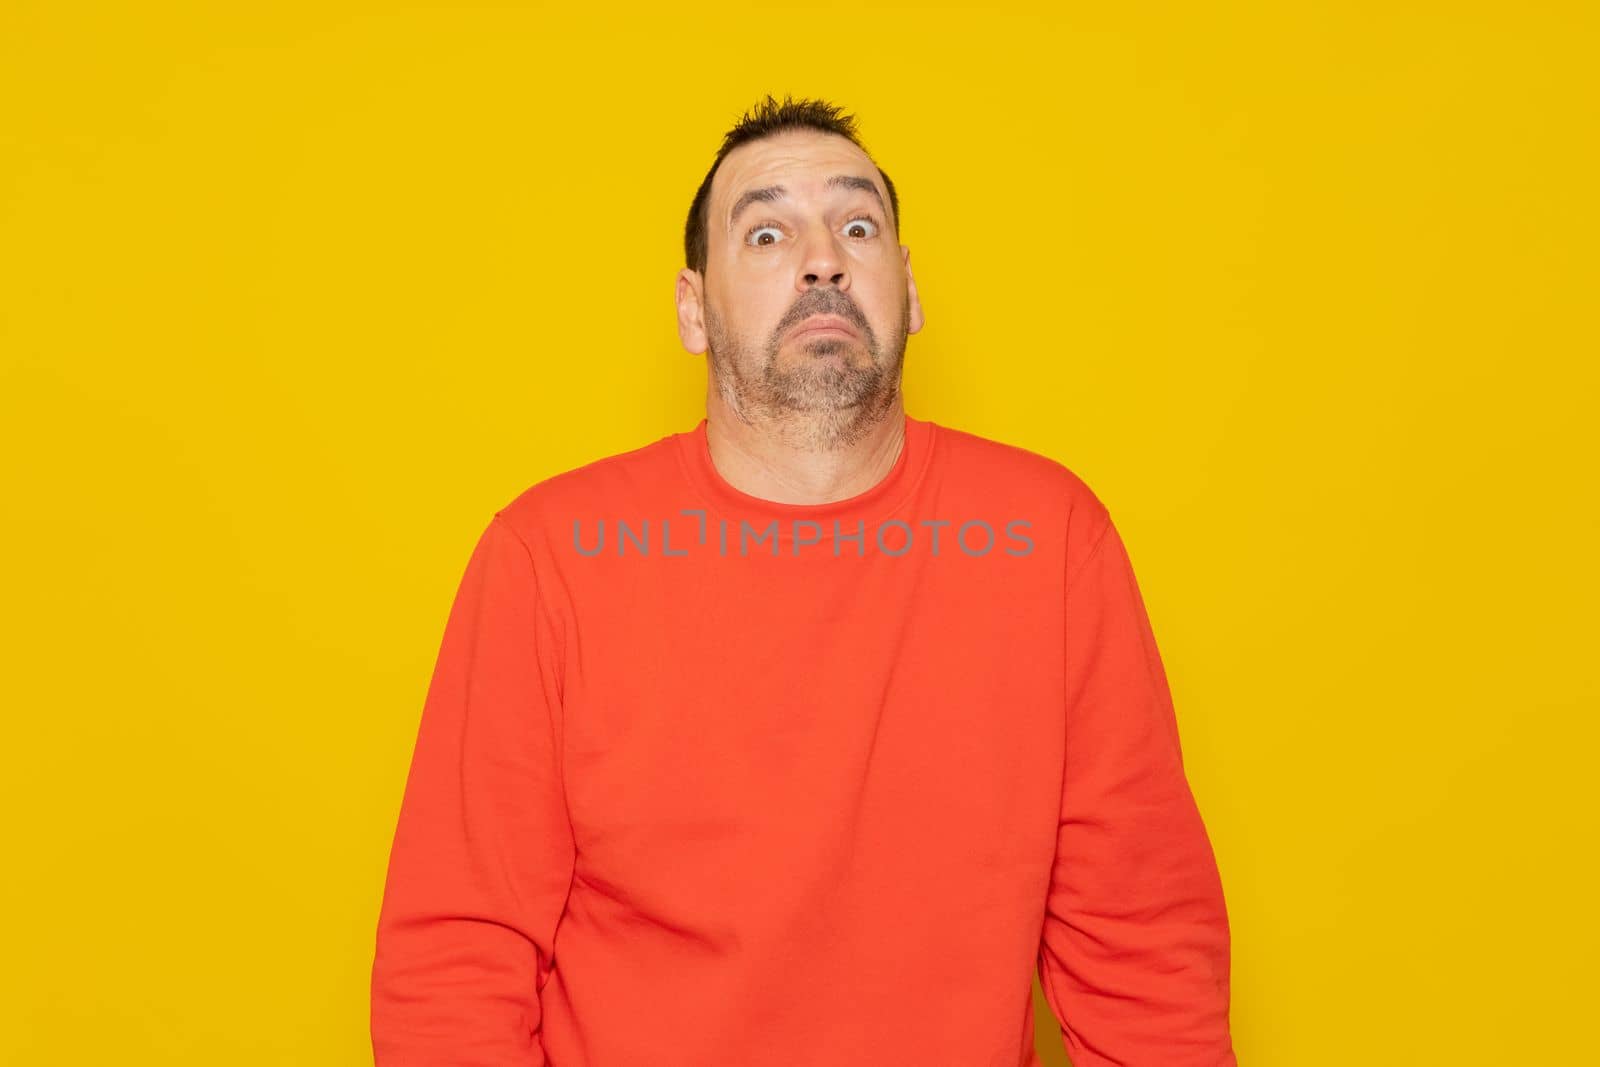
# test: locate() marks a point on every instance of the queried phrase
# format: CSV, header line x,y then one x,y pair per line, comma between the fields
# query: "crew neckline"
x,y
889,495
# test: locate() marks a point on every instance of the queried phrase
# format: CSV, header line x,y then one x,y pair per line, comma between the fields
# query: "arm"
x,y
483,853
1134,956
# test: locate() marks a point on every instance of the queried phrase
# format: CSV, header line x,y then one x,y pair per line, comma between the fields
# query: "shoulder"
x,y
602,486
1026,477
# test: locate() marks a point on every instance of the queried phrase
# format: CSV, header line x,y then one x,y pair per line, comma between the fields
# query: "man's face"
x,y
799,227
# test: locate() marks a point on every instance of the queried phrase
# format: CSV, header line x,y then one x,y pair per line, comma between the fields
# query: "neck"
x,y
806,457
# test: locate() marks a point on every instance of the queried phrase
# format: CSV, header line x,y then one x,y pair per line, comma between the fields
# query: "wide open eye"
x,y
753,237
865,221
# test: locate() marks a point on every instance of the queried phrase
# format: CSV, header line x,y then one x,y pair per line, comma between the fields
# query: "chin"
x,y
827,343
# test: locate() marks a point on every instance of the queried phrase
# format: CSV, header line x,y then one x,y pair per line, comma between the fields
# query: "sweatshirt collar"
x,y
890,495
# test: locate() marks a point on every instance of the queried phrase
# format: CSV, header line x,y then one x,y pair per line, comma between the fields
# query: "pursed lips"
x,y
823,322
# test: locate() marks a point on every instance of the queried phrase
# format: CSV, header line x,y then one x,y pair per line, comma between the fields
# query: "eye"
x,y
870,223
861,222
755,230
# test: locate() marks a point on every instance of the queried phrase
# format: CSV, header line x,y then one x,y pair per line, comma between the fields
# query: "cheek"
x,y
753,309
883,301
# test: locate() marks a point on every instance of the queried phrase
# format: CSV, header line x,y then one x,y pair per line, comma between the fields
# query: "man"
x,y
803,737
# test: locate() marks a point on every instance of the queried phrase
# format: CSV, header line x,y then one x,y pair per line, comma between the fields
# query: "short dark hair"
x,y
765,119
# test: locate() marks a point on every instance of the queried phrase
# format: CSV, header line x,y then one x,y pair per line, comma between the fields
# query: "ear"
x,y
691,310
914,312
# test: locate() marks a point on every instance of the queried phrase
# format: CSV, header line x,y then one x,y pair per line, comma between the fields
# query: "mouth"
x,y
823,326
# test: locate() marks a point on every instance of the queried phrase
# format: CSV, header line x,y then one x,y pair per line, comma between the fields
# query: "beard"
x,y
823,393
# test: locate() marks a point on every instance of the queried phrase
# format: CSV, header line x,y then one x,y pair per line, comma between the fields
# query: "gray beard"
x,y
821,403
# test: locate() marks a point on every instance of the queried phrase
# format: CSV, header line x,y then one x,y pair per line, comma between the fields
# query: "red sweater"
x,y
704,780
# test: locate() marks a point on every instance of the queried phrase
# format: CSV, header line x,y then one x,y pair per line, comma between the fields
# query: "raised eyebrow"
x,y
856,181
766,194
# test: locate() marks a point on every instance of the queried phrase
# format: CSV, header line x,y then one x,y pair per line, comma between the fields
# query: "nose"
x,y
821,258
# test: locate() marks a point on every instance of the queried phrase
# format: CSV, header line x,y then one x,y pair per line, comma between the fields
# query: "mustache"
x,y
824,302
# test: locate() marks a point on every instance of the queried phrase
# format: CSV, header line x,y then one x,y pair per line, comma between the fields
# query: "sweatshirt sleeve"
x,y
483,853
1134,955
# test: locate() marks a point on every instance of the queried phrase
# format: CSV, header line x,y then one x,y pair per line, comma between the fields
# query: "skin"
x,y
815,418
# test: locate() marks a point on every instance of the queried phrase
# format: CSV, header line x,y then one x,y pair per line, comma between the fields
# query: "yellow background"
x,y
292,297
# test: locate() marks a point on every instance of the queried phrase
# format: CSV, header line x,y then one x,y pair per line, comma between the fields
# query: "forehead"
x,y
799,160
